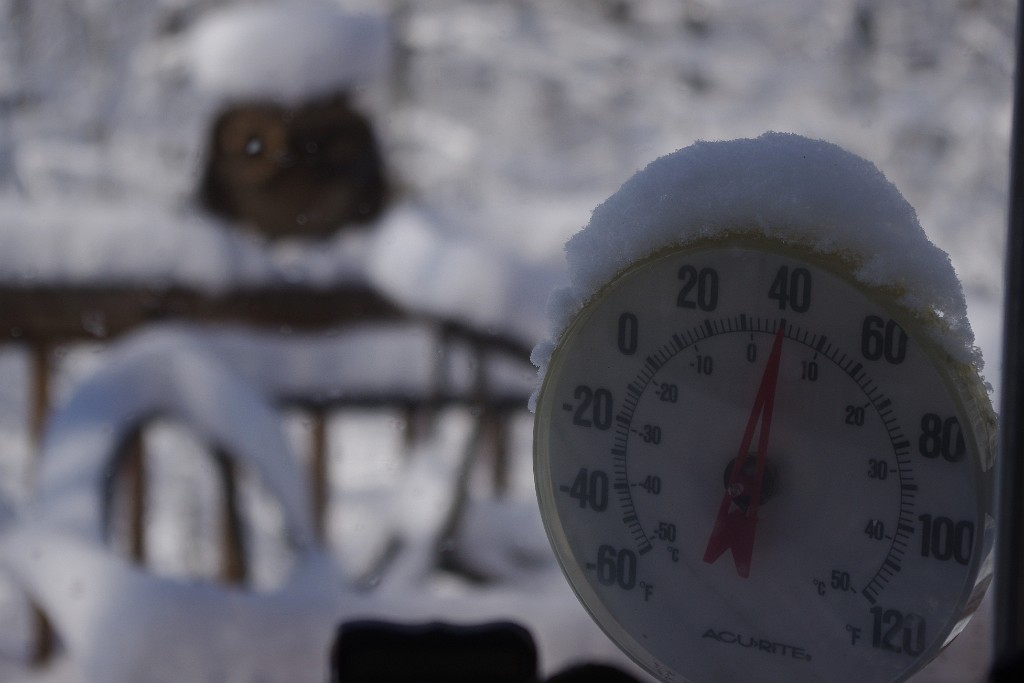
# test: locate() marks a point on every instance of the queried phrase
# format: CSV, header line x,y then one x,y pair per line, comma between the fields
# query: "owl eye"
x,y
253,143
254,146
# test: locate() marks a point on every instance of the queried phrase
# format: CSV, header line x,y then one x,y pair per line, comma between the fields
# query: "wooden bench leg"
x,y
319,475
233,568
40,357
132,476
496,441
43,638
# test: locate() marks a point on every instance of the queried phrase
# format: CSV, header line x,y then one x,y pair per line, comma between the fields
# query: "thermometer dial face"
x,y
753,468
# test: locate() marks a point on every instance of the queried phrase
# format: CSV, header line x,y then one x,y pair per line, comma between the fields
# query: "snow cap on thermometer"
x,y
782,186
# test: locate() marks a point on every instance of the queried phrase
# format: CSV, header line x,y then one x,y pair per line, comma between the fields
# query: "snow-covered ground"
x,y
506,123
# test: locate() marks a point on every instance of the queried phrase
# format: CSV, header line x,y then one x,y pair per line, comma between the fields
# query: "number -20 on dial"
x,y
754,468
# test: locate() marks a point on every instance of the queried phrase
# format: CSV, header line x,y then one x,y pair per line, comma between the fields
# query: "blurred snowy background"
x,y
503,123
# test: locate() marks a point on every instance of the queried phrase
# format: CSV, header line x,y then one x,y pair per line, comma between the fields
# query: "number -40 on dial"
x,y
754,468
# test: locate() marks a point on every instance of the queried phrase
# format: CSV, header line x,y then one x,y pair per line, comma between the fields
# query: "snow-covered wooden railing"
x,y
46,318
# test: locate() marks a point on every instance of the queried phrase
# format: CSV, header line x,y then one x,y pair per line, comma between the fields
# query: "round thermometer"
x,y
753,467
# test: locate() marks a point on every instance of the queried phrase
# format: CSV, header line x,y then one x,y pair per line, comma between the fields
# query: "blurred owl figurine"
x,y
307,170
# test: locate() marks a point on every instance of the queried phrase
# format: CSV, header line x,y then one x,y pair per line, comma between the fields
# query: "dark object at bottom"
x,y
382,652
592,673
1010,670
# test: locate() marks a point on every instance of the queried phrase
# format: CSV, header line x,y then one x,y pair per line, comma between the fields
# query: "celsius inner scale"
x,y
754,465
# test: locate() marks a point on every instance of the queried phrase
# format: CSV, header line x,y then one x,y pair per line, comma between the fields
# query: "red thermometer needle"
x,y
735,524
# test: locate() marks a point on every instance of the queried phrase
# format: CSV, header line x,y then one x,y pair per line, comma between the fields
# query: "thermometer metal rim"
x,y
962,382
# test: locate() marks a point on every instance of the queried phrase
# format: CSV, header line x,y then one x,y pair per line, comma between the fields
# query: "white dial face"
x,y
752,469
